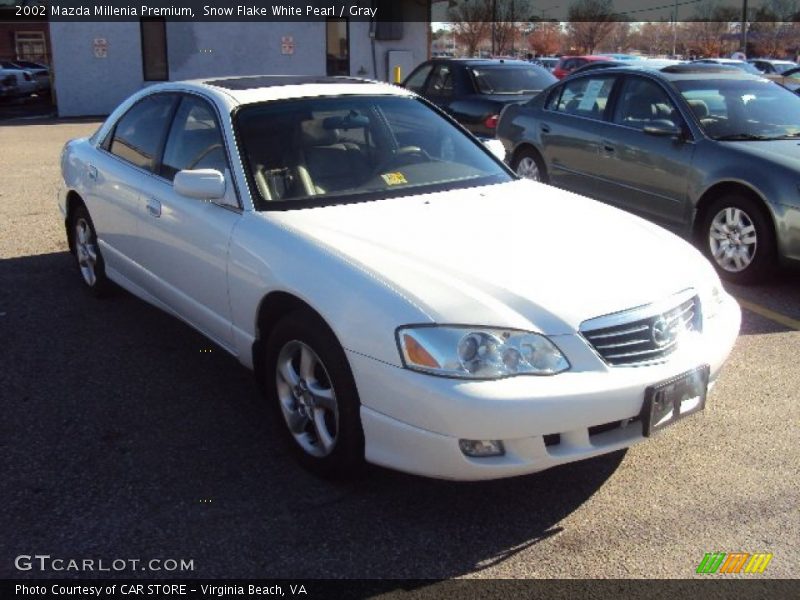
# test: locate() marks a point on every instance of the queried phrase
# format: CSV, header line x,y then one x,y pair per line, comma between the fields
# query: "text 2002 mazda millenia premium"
x,y
403,297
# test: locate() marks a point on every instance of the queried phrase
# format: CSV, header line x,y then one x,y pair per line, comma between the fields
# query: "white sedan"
x,y
403,298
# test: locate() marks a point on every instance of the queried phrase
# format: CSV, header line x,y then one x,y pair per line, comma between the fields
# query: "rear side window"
x,y
140,132
441,83
195,140
585,97
416,82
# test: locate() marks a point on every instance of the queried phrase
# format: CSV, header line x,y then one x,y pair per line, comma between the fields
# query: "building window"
x,y
154,49
31,45
337,33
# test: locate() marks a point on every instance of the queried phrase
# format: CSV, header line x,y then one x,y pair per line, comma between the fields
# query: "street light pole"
x,y
744,27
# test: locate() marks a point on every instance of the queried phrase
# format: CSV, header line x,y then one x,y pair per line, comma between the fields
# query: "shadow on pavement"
x,y
124,437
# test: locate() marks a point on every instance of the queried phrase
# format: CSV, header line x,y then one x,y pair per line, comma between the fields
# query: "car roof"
x,y
683,71
239,90
480,61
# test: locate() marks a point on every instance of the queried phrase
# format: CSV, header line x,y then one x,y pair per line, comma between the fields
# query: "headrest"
x,y
314,133
699,108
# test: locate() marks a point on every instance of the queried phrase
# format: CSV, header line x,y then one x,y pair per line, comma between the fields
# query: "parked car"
x,y
402,297
597,64
567,64
474,91
772,68
711,153
25,82
40,72
742,65
789,79
548,62
9,85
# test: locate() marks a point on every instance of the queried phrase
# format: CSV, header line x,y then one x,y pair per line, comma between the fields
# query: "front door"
x,y
185,240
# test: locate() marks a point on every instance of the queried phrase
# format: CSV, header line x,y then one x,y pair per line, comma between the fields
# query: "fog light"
x,y
482,448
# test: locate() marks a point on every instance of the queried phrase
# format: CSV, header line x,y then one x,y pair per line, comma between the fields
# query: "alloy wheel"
x,y
85,251
528,168
732,239
307,399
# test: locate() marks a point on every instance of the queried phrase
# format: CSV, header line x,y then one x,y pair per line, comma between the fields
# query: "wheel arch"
x,y
721,189
522,147
272,308
73,201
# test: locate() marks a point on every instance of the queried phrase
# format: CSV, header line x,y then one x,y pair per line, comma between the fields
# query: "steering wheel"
x,y
402,154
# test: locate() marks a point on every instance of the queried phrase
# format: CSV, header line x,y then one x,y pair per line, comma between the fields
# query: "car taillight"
x,y
491,121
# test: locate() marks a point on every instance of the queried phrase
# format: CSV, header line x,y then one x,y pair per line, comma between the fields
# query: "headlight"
x,y
478,352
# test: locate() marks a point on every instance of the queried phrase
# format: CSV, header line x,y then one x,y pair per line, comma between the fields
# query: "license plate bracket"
x,y
671,400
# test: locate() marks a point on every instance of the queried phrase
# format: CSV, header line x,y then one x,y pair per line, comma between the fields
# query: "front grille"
x,y
645,334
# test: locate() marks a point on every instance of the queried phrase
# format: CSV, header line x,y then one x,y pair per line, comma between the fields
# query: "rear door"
x,y
571,132
123,167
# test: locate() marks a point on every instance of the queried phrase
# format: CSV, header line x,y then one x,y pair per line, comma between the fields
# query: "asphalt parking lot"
x,y
126,435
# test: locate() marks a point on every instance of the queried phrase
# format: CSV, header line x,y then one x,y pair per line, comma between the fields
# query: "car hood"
x,y
520,254
510,98
782,152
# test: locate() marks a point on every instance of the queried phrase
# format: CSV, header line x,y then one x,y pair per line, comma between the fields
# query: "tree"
x,y
589,23
471,23
545,38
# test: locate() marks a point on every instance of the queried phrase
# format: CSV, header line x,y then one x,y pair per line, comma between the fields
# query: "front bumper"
x,y
413,422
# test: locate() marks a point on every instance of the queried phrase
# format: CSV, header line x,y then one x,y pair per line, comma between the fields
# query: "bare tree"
x,y
471,23
589,23
545,38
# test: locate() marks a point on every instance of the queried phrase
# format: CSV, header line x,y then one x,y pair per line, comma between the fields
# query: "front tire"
x,y
88,258
528,164
738,238
312,392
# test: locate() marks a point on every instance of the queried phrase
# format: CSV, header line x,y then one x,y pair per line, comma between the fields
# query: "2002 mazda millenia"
x,y
404,299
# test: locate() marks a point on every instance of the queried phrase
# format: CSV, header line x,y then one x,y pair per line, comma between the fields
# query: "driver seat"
x,y
331,163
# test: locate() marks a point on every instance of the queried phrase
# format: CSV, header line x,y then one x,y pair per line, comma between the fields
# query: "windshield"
x,y
743,109
524,79
323,151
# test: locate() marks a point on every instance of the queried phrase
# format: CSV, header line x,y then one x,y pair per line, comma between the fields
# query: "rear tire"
x,y
738,238
528,164
88,258
312,392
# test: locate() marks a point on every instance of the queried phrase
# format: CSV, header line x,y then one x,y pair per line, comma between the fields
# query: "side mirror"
x,y
663,131
496,147
203,184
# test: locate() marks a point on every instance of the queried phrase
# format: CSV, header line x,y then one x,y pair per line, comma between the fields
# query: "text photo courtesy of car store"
x,y
98,65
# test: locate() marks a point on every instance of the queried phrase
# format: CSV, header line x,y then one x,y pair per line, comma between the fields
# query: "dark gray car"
x,y
711,153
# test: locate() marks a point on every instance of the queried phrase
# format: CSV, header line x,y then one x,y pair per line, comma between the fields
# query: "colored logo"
x,y
734,562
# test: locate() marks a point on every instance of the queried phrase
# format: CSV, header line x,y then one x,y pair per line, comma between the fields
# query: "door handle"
x,y
608,147
154,207
544,128
91,171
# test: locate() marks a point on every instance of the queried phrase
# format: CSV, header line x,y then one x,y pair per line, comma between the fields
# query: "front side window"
x,y
585,97
743,109
139,133
644,103
334,150
195,140
441,83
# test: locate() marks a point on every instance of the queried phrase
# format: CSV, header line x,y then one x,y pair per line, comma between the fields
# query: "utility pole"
x,y
494,26
744,26
675,29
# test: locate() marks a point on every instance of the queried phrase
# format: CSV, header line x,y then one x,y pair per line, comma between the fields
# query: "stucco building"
x,y
98,64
